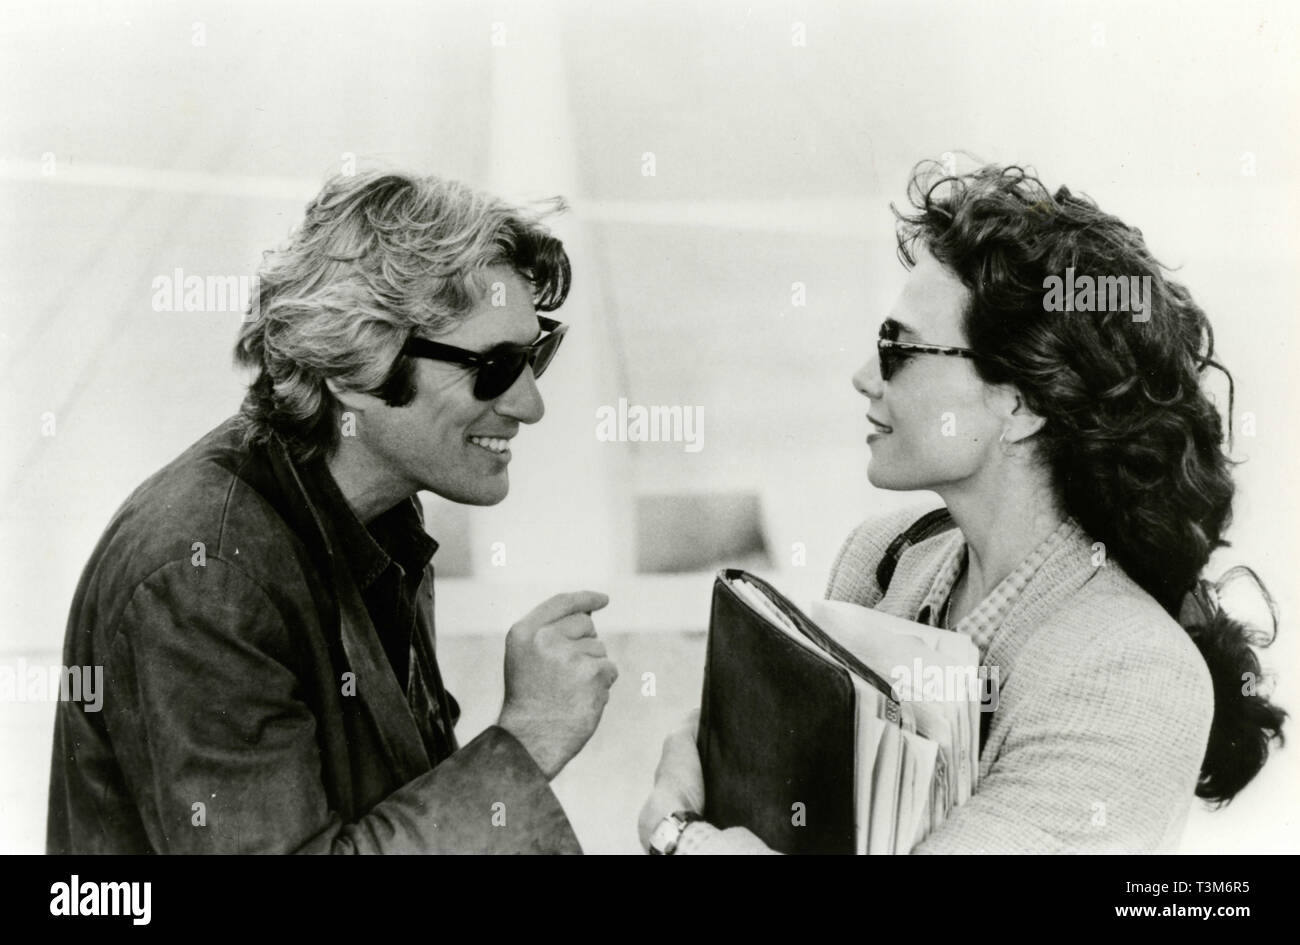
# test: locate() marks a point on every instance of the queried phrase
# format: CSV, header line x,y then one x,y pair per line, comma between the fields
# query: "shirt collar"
x,y
396,536
982,622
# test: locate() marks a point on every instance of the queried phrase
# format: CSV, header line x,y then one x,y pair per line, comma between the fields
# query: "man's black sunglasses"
x,y
498,368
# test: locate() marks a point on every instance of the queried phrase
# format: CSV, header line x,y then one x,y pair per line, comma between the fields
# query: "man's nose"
x,y
867,380
523,401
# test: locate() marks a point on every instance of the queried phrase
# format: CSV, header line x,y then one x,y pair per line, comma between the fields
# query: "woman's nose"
x,y
867,380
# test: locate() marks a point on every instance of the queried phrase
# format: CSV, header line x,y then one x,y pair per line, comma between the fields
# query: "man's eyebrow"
x,y
531,340
513,339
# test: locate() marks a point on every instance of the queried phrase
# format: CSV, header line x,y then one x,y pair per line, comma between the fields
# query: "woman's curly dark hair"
x,y
1132,442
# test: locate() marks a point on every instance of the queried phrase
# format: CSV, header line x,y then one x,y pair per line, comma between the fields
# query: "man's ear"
x,y
349,399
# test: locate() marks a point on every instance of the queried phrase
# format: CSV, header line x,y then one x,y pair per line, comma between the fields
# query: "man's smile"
x,y
498,446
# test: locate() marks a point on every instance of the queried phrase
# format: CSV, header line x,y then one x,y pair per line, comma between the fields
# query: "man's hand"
x,y
557,679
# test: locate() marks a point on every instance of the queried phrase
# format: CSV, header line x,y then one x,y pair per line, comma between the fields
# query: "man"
x,y
263,606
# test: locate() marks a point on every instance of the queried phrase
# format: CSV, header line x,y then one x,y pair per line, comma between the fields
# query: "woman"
x,y
1083,467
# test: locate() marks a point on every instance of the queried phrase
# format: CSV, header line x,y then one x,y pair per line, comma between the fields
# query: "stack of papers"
x,y
917,750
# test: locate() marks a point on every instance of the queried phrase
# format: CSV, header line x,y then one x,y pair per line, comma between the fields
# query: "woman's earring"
x,y
1003,437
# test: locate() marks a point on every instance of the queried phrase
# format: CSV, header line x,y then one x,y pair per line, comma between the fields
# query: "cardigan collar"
x,y
990,613
1068,562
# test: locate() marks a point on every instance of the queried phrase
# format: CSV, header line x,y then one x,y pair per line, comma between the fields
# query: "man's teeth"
x,y
495,444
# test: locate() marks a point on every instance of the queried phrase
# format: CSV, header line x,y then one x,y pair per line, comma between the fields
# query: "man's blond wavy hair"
x,y
379,256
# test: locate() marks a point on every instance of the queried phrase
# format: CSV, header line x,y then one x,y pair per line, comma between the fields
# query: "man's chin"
x,y
482,494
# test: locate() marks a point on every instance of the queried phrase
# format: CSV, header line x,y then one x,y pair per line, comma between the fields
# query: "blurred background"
x,y
729,169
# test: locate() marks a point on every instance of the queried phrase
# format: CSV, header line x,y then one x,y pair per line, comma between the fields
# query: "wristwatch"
x,y
668,832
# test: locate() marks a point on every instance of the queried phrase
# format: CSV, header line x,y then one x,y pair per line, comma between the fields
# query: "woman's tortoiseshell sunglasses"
x,y
894,353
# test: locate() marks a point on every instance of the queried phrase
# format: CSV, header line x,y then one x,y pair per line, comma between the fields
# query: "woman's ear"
x,y
1021,422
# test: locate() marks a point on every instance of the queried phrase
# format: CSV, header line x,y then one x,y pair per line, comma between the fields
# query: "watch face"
x,y
664,837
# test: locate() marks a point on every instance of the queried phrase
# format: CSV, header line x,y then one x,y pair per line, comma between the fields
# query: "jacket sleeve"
x,y
219,749
1102,758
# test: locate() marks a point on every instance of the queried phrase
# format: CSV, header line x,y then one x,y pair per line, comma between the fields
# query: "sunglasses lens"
x,y
545,352
505,365
888,362
889,358
497,376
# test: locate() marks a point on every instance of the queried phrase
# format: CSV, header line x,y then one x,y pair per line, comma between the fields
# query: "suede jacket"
x,y
249,705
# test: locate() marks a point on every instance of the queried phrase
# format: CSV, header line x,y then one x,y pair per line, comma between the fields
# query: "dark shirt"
x,y
387,559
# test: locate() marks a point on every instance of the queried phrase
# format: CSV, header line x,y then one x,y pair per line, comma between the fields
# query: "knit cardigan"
x,y
1104,703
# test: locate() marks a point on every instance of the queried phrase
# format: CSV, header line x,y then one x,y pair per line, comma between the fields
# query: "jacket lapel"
x,y
377,689
436,712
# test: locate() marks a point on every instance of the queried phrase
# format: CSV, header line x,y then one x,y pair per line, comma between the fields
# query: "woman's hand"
x,y
679,779
679,785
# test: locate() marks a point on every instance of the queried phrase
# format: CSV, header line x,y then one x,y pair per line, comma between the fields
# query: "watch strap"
x,y
681,820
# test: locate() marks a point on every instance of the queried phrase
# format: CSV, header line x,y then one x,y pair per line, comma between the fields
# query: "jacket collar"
x,y
397,535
